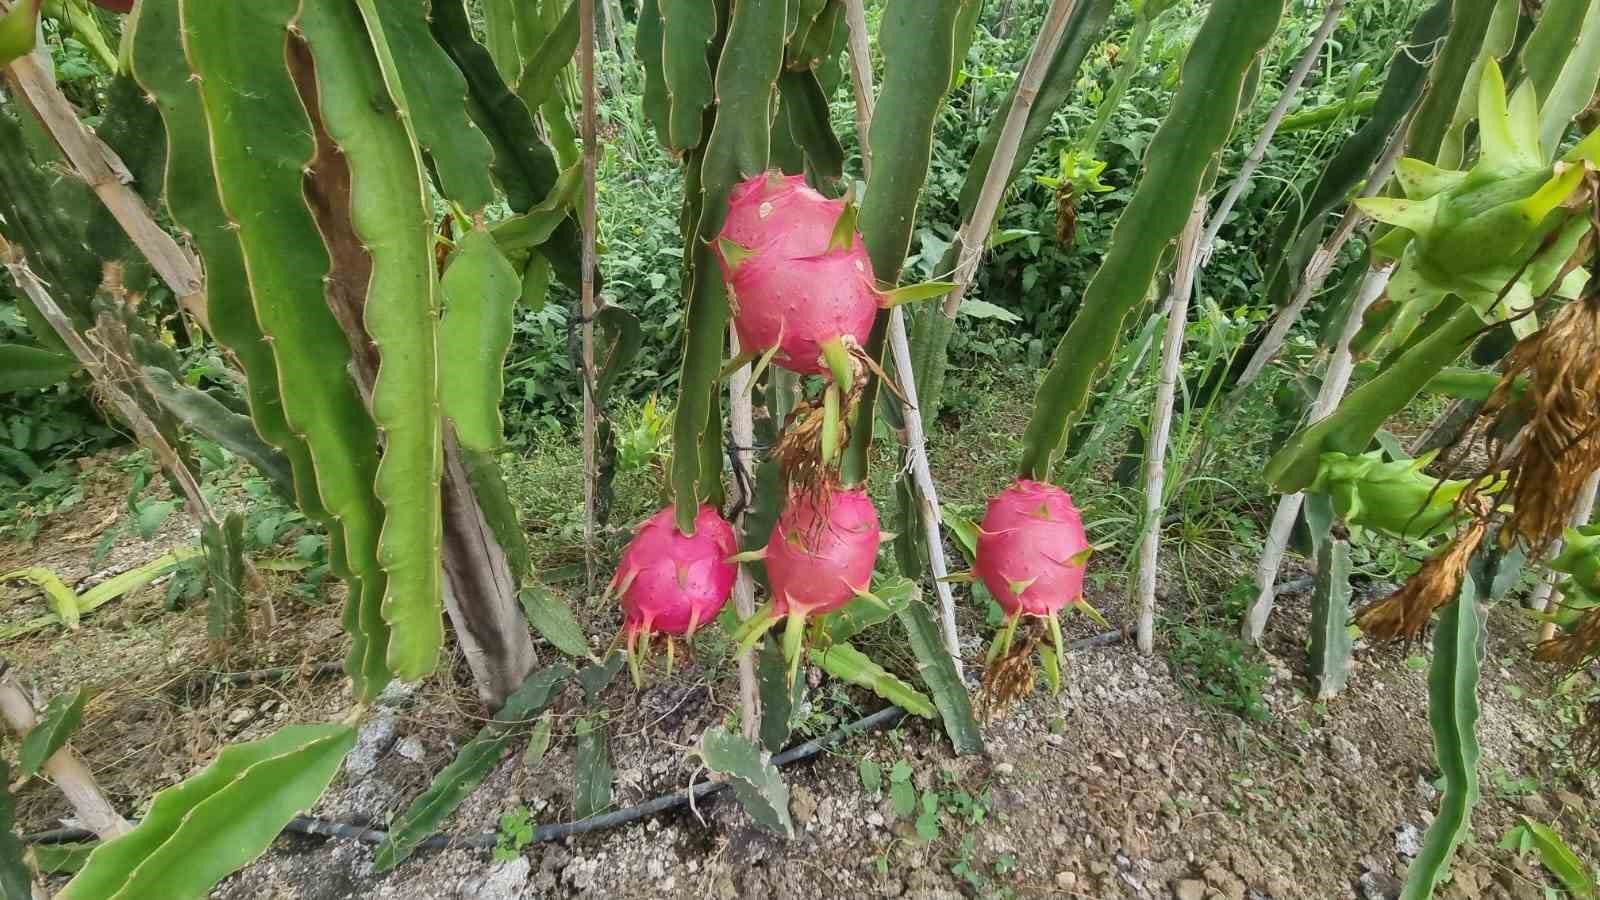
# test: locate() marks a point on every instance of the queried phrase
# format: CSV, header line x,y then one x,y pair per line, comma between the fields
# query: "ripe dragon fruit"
x,y
1032,549
1031,556
820,557
671,583
822,551
795,291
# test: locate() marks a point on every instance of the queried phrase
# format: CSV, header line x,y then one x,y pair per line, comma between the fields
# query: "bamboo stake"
x,y
1340,366
1183,279
855,15
591,473
1546,594
66,769
741,422
1317,269
1258,153
108,177
974,232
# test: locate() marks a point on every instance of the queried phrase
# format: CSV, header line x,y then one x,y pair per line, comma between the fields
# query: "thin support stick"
x,y
1546,594
591,472
66,768
1317,270
855,14
1258,153
974,232
1155,464
900,347
742,423
109,178
1334,383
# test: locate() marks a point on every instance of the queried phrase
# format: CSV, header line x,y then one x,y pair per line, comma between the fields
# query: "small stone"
x,y
1344,753
1408,841
803,804
1189,889
241,715
1066,880
503,881
411,748
875,819
1004,769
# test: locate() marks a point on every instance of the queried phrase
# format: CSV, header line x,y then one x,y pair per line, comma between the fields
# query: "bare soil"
x,y
1119,786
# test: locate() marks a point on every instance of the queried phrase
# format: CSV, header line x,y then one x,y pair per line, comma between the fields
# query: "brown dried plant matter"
x,y
1011,677
1559,445
1575,647
1406,612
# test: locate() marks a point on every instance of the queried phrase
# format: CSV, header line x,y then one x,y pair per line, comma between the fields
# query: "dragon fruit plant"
x,y
670,583
819,557
1031,555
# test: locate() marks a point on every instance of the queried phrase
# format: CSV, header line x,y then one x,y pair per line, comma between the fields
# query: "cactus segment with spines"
x,y
1453,714
237,52
687,28
736,148
391,215
917,41
647,45
1331,644
431,90
1199,120
480,290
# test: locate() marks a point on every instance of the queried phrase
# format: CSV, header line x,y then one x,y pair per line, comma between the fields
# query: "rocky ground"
x,y
1120,786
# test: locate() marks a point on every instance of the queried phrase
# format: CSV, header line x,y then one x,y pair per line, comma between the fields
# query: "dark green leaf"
x,y
61,718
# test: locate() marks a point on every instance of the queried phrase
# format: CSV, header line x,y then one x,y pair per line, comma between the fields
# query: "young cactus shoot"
x,y
670,583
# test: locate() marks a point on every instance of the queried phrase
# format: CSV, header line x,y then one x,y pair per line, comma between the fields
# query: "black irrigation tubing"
x,y
883,718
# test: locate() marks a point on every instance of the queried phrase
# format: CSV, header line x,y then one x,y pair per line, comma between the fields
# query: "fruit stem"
x,y
794,632
830,424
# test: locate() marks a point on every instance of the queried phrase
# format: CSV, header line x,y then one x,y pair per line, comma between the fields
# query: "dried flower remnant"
x,y
1406,612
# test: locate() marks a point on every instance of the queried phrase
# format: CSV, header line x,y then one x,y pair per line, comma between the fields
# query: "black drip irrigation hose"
x,y
311,825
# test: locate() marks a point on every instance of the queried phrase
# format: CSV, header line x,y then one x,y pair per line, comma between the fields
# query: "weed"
x,y
1219,669
515,833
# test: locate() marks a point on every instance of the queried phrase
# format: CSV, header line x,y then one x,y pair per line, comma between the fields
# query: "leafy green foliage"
x,y
552,618
515,832
1219,669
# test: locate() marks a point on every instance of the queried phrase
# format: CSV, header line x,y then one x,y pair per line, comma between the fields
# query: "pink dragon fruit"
x,y
1032,550
792,290
781,215
671,583
822,551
